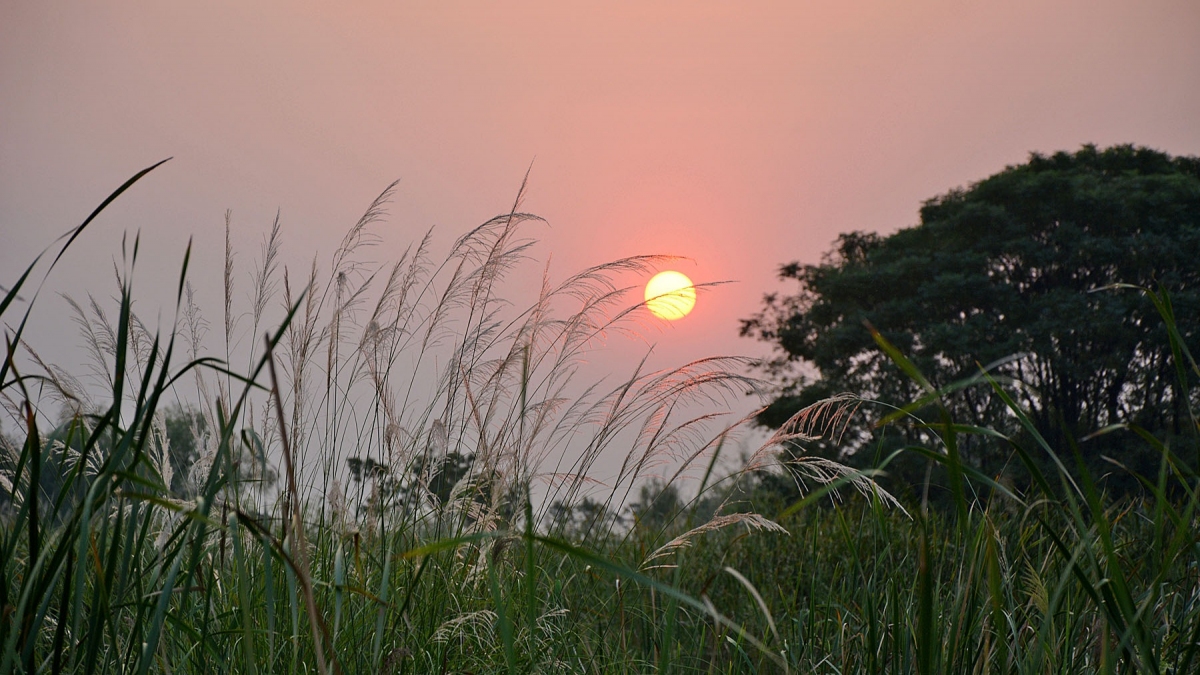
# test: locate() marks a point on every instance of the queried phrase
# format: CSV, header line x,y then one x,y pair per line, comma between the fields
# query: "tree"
x,y
582,521
185,426
64,485
430,479
658,505
1019,266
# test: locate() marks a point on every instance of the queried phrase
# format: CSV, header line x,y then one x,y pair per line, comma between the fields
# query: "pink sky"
x,y
742,135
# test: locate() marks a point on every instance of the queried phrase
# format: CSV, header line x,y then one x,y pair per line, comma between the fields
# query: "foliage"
x,y
657,505
430,481
1016,273
581,521
186,429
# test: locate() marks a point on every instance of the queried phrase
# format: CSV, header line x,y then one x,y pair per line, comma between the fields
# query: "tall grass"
x,y
274,556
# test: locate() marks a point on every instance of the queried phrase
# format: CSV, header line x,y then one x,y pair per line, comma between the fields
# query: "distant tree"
x,y
65,483
1018,266
584,520
376,484
429,479
365,470
445,473
185,426
657,505
187,436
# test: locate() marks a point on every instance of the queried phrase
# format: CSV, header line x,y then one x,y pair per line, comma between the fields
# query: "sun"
x,y
670,295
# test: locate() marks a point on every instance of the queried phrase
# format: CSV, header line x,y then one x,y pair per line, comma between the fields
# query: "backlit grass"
x,y
392,469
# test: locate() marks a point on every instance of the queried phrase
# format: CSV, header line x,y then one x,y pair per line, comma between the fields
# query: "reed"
x,y
394,470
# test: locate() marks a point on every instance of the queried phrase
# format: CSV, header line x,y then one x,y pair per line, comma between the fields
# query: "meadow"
x,y
391,469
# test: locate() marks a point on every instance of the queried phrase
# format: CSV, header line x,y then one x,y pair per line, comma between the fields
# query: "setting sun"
x,y
670,295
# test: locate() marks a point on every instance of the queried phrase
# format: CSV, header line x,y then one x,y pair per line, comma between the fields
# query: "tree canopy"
x,y
1019,266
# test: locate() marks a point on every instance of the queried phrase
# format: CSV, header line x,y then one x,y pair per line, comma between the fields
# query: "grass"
x,y
269,557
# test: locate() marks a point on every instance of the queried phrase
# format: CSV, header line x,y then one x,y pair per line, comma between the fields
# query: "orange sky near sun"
x,y
740,135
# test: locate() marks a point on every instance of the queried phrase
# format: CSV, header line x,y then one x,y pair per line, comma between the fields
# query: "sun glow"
x,y
670,295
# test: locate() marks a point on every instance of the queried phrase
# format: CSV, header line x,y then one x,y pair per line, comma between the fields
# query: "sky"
x,y
741,136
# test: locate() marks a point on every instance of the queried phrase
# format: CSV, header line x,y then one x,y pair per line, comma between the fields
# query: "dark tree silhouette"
x,y
658,505
1019,266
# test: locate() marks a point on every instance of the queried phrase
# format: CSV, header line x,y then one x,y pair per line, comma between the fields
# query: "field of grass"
x,y
470,536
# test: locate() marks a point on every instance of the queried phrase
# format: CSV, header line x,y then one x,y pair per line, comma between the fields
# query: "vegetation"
x,y
398,481
1028,273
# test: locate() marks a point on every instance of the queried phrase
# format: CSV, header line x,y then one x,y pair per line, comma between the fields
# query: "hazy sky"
x,y
742,135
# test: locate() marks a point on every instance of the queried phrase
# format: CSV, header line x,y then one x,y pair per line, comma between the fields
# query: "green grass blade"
x,y
502,618
385,586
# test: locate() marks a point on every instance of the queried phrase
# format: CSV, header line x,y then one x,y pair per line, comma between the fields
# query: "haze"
x,y
739,135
